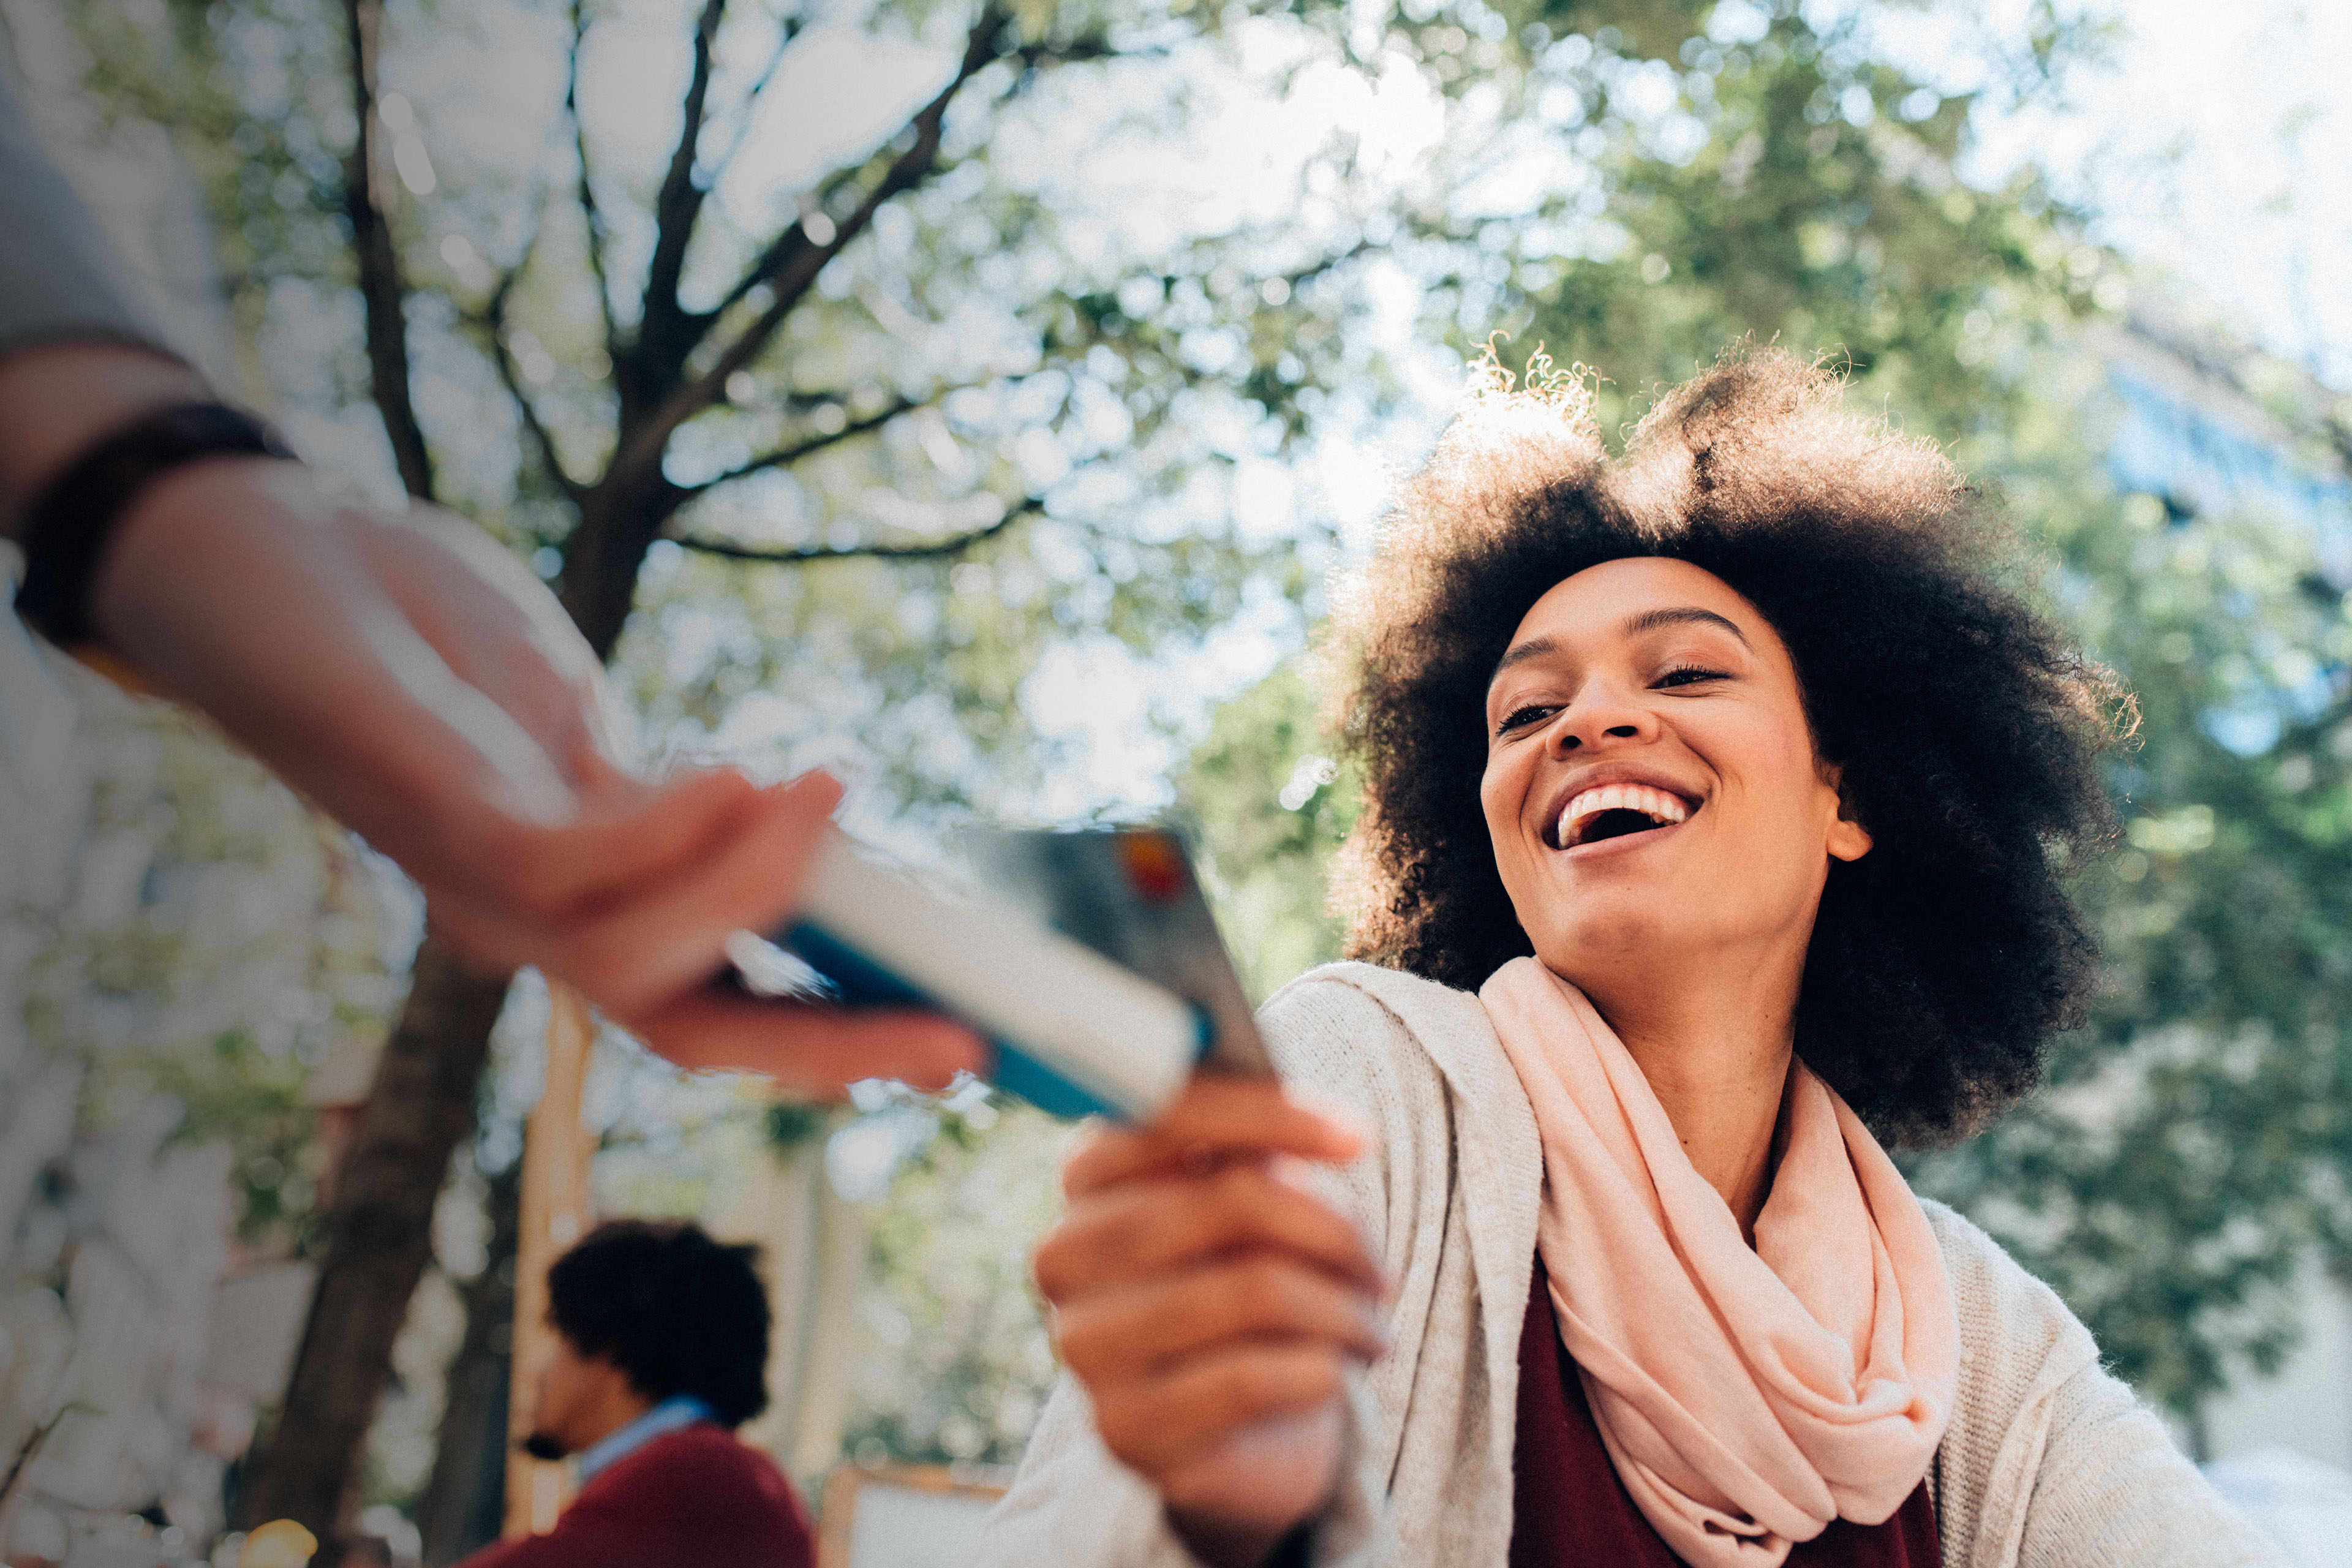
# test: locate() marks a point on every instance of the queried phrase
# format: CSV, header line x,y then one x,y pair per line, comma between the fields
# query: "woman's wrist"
x,y
1254,1502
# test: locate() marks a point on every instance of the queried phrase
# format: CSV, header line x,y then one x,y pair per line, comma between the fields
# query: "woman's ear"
x,y
1848,839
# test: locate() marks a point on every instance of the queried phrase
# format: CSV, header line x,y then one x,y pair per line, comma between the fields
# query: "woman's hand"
x,y
1211,1304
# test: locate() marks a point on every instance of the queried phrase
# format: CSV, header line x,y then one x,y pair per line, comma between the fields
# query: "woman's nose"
x,y
1596,717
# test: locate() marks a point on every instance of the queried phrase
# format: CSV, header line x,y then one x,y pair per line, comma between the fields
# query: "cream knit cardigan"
x,y
2049,1462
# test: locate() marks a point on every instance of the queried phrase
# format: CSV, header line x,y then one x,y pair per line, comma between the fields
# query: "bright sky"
x,y
2215,142
2219,146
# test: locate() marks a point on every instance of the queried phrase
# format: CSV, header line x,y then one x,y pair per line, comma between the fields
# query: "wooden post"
x,y
813,1259
555,1212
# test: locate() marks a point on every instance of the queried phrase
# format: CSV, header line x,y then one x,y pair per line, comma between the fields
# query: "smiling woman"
x,y
1719,806
1959,722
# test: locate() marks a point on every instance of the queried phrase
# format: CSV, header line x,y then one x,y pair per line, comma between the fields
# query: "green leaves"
x,y
2182,1168
1630,184
1270,805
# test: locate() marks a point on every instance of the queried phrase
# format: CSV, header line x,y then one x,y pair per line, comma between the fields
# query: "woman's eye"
x,y
1685,675
1519,718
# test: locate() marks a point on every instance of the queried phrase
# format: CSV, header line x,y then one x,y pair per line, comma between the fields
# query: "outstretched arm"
x,y
413,682
422,688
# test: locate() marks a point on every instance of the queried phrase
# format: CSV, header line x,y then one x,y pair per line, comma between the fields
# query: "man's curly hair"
x,y
676,1311
1966,725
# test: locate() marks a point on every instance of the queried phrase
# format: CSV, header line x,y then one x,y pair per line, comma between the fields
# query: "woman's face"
x,y
1651,784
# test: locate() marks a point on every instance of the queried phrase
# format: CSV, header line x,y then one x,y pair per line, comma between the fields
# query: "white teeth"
x,y
1654,803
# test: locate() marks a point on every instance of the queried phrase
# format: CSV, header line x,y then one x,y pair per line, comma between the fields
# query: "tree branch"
x,y
785,456
789,29
679,205
781,251
383,291
791,265
954,544
494,327
785,246
592,216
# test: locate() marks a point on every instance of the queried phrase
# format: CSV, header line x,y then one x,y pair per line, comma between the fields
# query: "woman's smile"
x,y
1608,805
1615,832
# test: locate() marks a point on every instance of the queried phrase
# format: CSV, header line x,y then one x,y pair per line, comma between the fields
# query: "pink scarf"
x,y
1747,1397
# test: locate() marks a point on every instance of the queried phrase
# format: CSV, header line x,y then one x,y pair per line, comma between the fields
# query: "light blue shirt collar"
x,y
678,1410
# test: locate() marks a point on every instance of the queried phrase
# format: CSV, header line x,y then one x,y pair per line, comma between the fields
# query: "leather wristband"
x,y
71,522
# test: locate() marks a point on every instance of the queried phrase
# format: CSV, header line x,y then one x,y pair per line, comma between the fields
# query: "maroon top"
x,y
694,1498
1568,1506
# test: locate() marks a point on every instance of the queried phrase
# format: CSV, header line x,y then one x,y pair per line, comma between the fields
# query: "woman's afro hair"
x,y
1965,726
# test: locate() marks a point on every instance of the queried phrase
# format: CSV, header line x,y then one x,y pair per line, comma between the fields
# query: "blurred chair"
x,y
902,1516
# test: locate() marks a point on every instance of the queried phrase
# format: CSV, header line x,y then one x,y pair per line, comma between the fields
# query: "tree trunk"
x,y
378,1241
421,1107
464,1505
619,519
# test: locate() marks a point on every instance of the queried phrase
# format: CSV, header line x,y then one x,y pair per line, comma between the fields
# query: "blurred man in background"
x,y
661,1353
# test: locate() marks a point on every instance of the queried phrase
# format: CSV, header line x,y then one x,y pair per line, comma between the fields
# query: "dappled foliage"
x,y
219,968
957,1359
2191,1153
1028,410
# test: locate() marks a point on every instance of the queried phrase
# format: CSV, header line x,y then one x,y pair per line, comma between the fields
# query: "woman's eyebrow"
x,y
1534,648
1636,625
1672,615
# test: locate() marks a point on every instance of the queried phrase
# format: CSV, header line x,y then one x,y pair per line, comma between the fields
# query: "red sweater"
x,y
694,1498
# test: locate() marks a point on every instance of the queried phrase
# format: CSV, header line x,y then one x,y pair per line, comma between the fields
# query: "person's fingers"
x,y
631,841
808,1049
1132,1232
1128,1332
709,854
658,945
1156,1422
1215,1117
